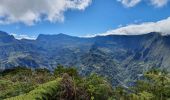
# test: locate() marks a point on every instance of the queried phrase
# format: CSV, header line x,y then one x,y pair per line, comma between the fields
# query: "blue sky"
x,y
94,17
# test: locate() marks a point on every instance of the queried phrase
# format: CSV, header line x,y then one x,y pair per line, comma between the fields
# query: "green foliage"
x,y
66,84
60,70
156,86
9,89
43,92
20,80
98,87
159,84
141,96
23,70
120,93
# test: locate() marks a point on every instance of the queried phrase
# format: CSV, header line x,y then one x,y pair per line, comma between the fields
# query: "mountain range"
x,y
120,58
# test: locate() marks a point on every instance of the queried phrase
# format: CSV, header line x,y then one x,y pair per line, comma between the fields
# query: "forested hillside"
x,y
66,84
122,58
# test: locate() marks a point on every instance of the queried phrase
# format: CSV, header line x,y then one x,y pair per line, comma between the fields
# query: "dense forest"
x,y
66,84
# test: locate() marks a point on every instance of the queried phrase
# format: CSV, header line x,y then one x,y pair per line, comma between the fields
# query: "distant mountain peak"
x,y
3,33
61,34
53,36
48,35
155,33
6,38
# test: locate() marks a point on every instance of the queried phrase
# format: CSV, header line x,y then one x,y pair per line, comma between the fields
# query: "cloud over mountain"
x,y
23,36
161,26
32,11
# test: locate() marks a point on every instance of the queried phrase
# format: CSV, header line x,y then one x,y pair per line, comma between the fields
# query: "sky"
x,y
29,18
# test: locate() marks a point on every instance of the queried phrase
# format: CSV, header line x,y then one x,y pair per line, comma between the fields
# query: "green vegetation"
x,y
67,84
42,92
60,70
154,86
19,81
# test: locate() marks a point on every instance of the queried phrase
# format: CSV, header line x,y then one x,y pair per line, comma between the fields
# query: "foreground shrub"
x,y
45,91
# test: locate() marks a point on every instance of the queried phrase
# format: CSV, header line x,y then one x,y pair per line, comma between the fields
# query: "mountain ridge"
x,y
112,56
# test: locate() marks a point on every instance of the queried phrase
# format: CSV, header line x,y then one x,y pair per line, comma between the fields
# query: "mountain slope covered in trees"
x,y
122,58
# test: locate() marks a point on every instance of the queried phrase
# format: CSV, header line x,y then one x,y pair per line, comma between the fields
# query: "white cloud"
x,y
31,11
159,3
132,3
23,36
161,26
129,3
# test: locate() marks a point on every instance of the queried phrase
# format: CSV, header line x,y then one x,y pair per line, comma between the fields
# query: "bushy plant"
x,y
60,70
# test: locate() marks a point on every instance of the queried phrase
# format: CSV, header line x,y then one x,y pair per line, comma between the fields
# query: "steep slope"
x,y
119,57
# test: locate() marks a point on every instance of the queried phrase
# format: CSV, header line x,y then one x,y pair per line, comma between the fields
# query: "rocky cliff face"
x,y
119,57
